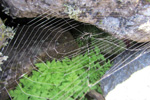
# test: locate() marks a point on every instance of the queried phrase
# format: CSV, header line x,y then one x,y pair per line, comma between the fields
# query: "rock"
x,y
137,87
124,66
95,95
127,19
6,33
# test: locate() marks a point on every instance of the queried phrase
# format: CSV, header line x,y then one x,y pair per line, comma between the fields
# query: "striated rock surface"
x,y
122,18
124,66
137,87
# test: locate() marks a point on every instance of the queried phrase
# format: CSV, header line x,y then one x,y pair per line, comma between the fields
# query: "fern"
x,y
55,78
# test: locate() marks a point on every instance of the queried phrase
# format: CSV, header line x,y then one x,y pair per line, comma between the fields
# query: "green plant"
x,y
66,79
109,44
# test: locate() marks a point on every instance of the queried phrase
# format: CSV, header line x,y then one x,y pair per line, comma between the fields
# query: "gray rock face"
x,y
137,87
124,66
124,19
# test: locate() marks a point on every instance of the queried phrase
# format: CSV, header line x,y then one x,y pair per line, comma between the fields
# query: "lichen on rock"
x,y
72,12
6,33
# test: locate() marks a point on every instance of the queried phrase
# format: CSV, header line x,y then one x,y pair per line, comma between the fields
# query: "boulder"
x,y
127,19
126,64
137,87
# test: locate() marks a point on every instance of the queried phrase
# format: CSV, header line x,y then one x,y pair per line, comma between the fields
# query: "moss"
x,y
148,0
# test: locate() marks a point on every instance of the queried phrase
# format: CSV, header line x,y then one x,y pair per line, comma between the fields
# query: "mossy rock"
x,y
6,33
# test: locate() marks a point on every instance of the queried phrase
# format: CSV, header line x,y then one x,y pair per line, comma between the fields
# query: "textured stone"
x,y
137,87
5,34
124,66
122,19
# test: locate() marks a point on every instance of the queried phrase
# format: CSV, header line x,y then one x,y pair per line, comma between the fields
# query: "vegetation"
x,y
66,79
109,44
